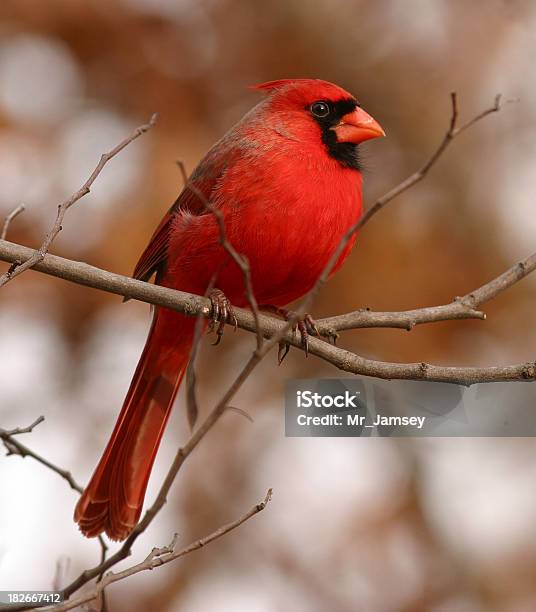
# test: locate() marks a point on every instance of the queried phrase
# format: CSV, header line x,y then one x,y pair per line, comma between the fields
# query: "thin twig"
x,y
9,218
243,264
192,408
163,555
22,430
39,255
240,260
14,447
464,307
452,132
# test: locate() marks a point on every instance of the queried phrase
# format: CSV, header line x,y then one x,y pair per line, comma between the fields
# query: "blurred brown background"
x,y
372,525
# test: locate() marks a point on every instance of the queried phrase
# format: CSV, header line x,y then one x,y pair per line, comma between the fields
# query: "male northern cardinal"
x,y
287,180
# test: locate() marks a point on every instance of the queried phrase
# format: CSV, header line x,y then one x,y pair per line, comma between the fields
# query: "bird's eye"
x,y
320,109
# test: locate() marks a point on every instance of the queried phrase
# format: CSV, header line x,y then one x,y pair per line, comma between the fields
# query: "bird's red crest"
x,y
303,89
277,84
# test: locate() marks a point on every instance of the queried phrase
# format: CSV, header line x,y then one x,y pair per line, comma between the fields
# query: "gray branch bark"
x,y
193,305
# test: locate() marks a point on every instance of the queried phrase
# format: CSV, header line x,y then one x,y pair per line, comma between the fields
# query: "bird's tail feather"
x,y
113,499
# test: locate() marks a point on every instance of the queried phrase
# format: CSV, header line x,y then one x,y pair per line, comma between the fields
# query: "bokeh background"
x,y
377,525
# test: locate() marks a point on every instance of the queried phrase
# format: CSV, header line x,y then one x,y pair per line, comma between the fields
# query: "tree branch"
x,y
243,264
14,447
460,308
452,132
161,556
37,256
9,218
271,327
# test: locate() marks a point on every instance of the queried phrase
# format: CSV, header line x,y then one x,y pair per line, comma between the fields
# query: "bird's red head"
x,y
325,107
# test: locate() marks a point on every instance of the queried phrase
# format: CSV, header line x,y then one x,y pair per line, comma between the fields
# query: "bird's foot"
x,y
222,313
305,324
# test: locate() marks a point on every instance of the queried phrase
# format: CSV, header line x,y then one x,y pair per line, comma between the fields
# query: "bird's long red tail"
x,y
113,499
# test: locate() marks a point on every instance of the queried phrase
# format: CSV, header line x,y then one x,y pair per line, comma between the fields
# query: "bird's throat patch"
x,y
346,153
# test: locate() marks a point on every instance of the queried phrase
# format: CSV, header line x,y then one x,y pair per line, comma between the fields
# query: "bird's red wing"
x,y
204,179
156,251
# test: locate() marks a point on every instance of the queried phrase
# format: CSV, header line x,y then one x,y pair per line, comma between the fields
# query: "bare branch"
x,y
355,364
240,260
464,307
243,264
22,430
38,255
271,327
14,447
192,409
419,175
492,109
161,556
9,218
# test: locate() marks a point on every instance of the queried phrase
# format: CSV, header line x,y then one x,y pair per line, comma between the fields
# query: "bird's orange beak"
x,y
357,127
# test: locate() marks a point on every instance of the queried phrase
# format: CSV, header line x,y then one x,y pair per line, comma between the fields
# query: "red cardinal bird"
x,y
287,180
